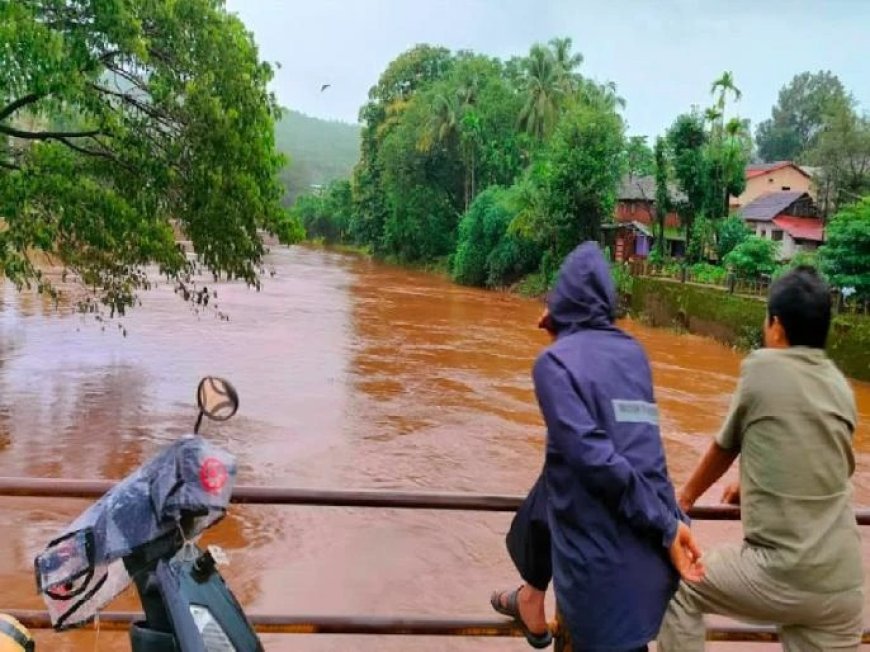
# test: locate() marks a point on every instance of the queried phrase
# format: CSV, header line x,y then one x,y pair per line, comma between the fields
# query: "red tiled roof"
x,y
801,228
753,171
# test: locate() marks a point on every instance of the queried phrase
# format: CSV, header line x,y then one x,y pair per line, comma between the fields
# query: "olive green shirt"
x,y
792,418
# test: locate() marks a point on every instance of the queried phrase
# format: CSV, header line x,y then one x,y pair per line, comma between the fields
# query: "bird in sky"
x,y
324,87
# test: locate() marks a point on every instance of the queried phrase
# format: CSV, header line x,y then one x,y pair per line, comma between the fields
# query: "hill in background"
x,y
320,151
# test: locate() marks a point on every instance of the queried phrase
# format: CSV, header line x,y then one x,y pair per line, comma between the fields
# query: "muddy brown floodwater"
x,y
351,374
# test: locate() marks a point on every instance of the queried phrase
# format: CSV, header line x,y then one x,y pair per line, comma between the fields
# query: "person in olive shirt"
x,y
791,422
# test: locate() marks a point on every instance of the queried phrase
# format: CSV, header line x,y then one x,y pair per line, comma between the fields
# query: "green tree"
x,y
639,158
544,89
753,257
663,204
727,154
124,121
730,233
845,256
703,242
567,62
487,253
454,136
410,72
575,180
422,190
799,115
326,216
687,141
456,115
727,151
725,85
842,152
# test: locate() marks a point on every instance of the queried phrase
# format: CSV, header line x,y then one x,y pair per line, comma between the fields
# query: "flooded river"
x,y
351,374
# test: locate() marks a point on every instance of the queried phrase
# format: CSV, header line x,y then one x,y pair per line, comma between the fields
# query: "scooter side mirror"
x,y
217,399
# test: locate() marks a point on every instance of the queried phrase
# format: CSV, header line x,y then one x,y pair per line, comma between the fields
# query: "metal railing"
x,y
361,625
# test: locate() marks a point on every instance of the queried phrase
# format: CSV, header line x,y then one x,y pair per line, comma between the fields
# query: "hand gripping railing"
x,y
402,626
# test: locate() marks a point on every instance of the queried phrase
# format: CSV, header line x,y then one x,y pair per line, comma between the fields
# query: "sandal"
x,y
512,610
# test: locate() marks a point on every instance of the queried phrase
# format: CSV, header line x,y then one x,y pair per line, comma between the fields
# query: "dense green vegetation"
x,y
706,156
845,256
442,128
318,151
753,257
124,122
799,115
129,124
816,122
498,168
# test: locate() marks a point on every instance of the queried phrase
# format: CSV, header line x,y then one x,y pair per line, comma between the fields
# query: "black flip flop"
x,y
512,610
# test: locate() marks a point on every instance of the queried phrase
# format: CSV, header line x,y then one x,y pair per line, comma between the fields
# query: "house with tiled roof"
x,y
764,178
789,218
631,235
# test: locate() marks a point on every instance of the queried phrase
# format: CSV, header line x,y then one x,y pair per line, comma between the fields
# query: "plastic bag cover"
x,y
82,569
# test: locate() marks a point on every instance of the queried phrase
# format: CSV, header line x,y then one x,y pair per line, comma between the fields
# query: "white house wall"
x,y
787,246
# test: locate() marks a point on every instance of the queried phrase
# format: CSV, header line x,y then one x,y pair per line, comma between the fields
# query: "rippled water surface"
x,y
351,374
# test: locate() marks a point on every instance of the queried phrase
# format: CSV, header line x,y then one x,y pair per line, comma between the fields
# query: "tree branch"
x,y
130,77
9,166
84,150
19,103
47,135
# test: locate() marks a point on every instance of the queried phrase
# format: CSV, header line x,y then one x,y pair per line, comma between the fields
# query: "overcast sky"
x,y
662,54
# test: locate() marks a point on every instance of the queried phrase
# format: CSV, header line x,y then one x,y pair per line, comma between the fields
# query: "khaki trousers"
x,y
737,585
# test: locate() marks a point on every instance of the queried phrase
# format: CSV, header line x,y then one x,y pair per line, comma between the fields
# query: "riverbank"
x,y
709,311
736,320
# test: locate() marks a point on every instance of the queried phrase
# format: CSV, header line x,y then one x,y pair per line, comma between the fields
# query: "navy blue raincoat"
x,y
611,505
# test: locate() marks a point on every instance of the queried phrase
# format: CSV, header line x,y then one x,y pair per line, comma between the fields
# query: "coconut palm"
x,y
594,93
566,61
451,123
544,90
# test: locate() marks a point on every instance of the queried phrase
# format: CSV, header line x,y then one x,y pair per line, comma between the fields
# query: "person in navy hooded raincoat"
x,y
618,540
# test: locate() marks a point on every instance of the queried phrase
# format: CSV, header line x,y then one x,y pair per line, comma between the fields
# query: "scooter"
x,y
143,532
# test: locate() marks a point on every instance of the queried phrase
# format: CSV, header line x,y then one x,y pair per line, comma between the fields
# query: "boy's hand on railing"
x,y
731,495
684,503
686,555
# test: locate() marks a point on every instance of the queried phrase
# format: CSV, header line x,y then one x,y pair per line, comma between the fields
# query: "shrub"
x,y
707,273
753,257
730,232
845,257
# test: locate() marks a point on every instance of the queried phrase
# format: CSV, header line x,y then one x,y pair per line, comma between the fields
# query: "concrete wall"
x,y
737,321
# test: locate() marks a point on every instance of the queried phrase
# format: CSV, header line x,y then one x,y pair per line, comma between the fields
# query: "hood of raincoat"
x,y
584,295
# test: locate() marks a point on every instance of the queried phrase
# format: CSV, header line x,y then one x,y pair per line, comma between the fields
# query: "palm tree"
x,y
725,85
592,93
468,91
450,112
712,115
566,61
736,148
544,89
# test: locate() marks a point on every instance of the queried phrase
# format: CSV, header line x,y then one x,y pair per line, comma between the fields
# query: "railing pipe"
x,y
386,626
93,489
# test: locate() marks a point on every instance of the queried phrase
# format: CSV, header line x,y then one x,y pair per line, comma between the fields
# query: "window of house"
x,y
776,235
786,188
